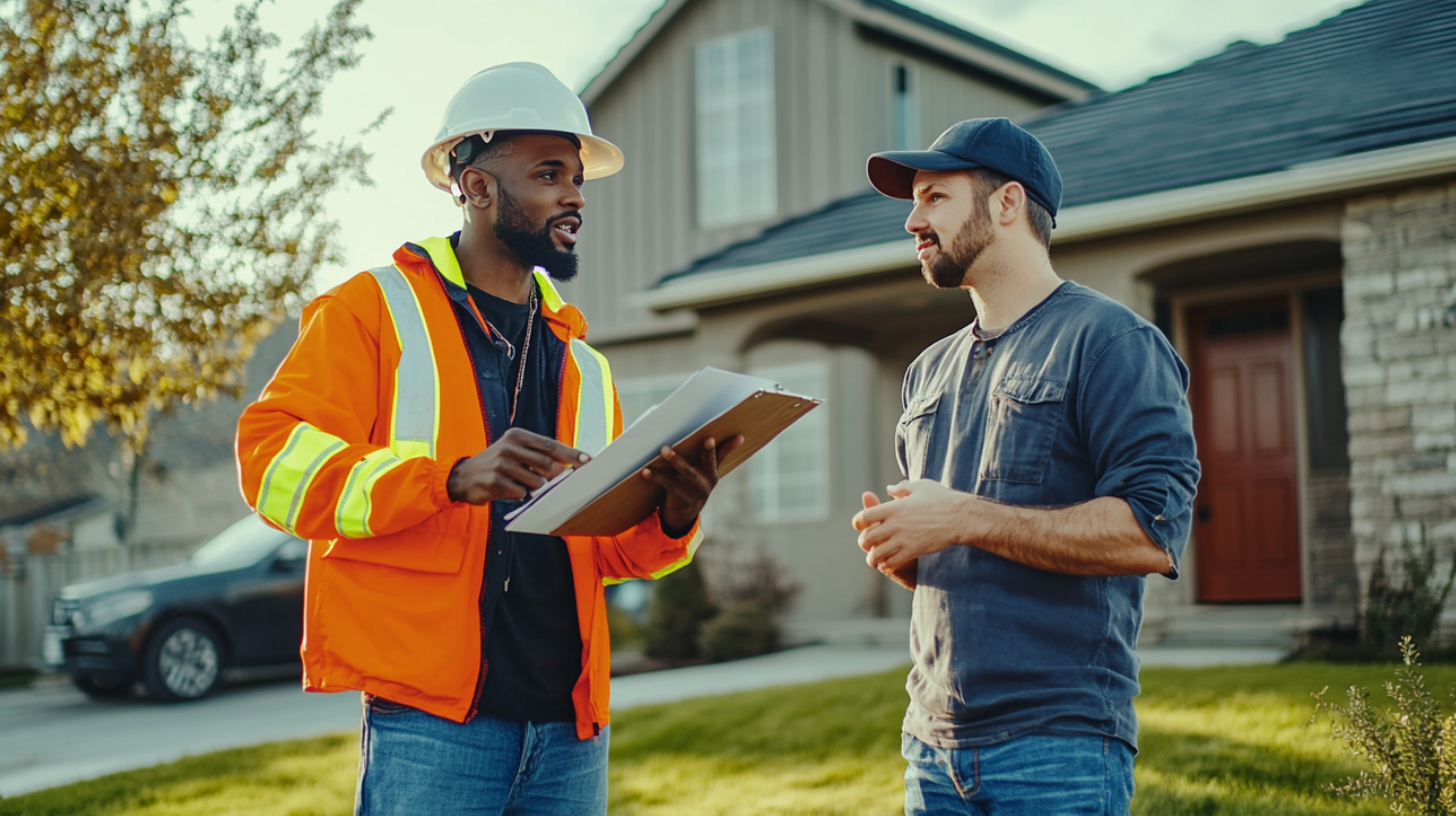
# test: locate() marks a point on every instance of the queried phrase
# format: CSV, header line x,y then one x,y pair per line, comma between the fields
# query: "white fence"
x,y
31,582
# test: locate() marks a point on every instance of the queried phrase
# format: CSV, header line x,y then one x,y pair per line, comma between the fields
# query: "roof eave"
x,y
629,52
1045,82
1300,183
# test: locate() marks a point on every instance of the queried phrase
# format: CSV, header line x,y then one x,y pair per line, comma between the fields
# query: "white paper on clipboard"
x,y
705,396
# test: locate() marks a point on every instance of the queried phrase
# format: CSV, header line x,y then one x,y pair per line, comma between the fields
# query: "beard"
x,y
535,247
950,266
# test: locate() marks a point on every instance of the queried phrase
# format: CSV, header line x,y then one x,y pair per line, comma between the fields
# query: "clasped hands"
x,y
521,461
922,517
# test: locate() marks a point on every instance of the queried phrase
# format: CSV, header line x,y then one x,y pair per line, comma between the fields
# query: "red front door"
x,y
1246,519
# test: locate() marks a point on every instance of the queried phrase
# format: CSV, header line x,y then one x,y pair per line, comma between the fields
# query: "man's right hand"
x,y
518,462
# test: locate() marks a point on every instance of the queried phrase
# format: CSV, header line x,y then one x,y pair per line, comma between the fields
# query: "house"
x,y
1285,213
740,116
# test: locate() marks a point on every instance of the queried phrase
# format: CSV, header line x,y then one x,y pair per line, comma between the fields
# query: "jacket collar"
x,y
440,255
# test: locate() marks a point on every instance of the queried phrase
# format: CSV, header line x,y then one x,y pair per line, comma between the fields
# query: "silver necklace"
x,y
525,352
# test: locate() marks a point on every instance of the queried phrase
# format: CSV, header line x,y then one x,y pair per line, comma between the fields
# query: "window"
x,y
789,479
1329,439
734,102
905,110
641,393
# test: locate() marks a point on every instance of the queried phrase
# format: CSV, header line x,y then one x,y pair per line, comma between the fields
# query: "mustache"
x,y
571,215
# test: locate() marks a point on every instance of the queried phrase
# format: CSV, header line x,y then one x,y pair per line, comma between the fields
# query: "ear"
x,y
477,188
1008,203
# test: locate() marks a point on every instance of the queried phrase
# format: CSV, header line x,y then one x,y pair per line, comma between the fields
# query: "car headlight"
x,y
115,607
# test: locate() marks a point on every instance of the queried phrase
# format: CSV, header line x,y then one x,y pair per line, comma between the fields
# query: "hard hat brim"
x,y
599,158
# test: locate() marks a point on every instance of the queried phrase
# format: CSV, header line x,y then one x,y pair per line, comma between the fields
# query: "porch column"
x,y
1399,364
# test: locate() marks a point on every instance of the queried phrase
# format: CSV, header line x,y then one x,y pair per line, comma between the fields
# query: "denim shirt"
x,y
1078,399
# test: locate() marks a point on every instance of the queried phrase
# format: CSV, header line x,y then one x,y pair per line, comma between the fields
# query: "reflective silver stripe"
x,y
593,418
413,427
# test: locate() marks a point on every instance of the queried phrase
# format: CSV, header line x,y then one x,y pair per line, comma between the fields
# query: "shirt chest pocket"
x,y
914,431
1020,429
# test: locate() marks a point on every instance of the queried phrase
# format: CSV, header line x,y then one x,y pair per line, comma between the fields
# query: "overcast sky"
x,y
423,49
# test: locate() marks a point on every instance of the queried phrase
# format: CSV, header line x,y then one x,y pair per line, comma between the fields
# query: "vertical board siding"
x,y
833,106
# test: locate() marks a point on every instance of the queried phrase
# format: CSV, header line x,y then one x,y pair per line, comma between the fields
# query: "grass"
x,y
1220,742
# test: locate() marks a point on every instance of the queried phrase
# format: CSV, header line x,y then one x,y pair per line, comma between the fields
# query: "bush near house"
x,y
1405,600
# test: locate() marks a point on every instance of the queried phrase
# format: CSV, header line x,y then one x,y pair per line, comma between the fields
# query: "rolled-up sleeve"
x,y
1139,431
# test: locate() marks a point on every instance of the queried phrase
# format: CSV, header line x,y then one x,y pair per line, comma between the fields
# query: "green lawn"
x,y
1214,741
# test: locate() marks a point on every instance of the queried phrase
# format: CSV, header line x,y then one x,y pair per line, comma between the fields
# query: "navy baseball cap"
x,y
995,144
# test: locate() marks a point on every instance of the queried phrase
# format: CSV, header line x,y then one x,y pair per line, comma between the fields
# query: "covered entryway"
x,y
1246,519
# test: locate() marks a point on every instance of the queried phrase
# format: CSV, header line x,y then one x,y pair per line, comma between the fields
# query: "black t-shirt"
x,y
532,639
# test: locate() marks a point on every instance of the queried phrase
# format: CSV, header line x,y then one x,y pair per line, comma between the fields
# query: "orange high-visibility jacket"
x,y
350,446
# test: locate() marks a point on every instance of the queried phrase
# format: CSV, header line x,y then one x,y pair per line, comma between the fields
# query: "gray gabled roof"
x,y
897,19
1376,76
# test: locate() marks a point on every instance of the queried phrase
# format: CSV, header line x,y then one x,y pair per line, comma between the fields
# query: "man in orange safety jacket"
x,y
420,403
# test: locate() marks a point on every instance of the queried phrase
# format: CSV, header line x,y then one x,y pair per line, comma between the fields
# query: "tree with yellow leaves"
x,y
160,206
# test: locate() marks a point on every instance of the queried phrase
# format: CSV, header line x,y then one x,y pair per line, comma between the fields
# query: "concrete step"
x,y
1244,627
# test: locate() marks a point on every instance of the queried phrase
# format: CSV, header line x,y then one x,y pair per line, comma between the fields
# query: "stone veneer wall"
x,y
1331,556
1399,362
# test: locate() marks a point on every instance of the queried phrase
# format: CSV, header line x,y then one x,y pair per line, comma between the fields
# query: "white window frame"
x,y
766,474
735,130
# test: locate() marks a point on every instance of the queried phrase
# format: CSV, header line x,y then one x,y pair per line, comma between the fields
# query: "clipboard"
x,y
627,498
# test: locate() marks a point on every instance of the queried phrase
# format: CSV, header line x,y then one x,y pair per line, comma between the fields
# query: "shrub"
x,y
1408,747
680,605
1405,601
625,632
756,580
740,632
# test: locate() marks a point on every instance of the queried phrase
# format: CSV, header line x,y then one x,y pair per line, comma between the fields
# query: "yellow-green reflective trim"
x,y
287,479
415,415
351,518
549,295
442,255
693,544
594,413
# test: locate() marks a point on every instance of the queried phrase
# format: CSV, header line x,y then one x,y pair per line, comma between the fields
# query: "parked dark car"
x,y
237,602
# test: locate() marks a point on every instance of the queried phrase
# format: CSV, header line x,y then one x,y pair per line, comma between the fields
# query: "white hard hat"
x,y
516,96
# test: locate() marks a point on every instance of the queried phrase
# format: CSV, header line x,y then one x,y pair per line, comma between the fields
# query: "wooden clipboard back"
x,y
760,418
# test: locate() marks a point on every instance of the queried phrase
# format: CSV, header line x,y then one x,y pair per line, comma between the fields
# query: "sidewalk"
x,y
52,735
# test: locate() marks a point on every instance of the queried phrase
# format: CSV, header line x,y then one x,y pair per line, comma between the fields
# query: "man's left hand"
x,y
687,487
925,517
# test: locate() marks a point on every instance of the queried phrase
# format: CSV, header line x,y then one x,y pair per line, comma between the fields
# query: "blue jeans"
x,y
1030,776
415,763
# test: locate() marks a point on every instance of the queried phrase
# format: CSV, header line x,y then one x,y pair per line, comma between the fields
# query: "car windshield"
x,y
247,542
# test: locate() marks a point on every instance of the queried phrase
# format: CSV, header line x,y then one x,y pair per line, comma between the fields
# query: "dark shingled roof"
x,y
1379,75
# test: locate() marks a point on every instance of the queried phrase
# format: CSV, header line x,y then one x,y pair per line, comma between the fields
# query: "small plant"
x,y
680,606
757,580
1407,600
740,632
1409,747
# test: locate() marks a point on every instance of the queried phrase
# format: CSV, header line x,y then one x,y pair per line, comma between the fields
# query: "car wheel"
x,y
183,660
102,686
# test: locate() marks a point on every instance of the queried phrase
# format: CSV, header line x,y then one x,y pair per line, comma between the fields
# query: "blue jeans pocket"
x,y
387,708
1020,429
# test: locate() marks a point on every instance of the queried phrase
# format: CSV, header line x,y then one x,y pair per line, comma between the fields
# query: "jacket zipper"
x,y
485,420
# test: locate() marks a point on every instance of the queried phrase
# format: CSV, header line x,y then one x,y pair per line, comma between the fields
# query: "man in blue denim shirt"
x,y
1049,462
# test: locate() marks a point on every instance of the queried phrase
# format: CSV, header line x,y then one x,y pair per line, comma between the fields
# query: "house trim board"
x,y
1300,183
